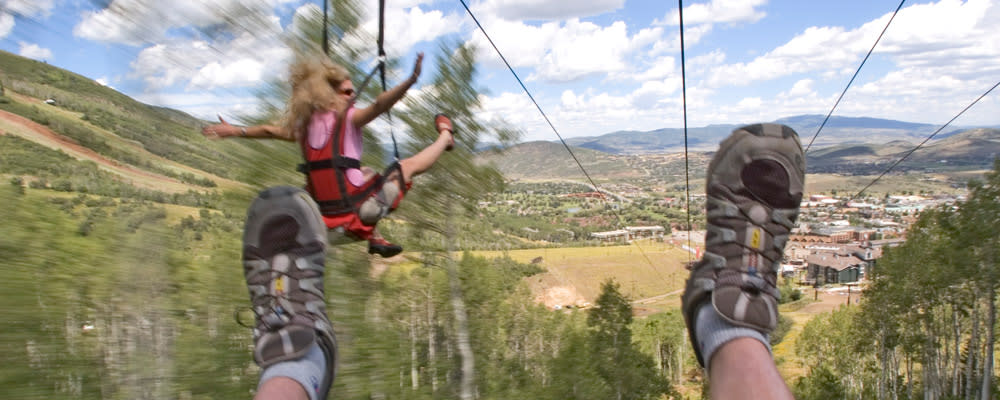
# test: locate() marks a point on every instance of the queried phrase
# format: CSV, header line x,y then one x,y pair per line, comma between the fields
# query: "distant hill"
x,y
120,130
168,143
964,150
540,159
837,131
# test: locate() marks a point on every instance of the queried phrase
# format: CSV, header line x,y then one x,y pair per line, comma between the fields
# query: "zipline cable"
x,y
546,117
855,76
379,66
687,169
925,141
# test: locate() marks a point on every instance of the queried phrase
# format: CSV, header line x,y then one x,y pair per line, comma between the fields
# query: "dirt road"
x,y
17,125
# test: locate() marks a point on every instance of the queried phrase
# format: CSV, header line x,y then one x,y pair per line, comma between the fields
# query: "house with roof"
x,y
834,267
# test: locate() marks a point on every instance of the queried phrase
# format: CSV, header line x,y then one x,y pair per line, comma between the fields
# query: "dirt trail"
x,y
17,125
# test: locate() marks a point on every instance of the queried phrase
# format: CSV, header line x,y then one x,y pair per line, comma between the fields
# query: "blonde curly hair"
x,y
315,80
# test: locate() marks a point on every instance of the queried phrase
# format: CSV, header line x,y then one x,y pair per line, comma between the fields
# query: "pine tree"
x,y
628,372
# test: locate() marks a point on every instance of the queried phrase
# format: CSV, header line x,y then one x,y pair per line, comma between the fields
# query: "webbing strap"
x,y
326,34
335,162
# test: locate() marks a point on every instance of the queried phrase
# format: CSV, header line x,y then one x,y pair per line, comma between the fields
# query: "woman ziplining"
x,y
287,229
324,121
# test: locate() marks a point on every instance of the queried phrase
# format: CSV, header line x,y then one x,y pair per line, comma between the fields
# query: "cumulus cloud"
x,y
25,8
28,8
801,88
717,12
243,62
410,26
6,24
33,51
205,105
519,10
927,35
135,22
561,52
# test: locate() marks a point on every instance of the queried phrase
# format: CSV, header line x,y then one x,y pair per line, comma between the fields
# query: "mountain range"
x,y
166,142
838,130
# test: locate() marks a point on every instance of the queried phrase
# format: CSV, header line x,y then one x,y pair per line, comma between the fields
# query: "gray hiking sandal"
x,y
284,247
754,187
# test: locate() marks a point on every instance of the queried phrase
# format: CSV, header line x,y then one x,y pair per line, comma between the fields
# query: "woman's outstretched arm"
x,y
224,130
385,100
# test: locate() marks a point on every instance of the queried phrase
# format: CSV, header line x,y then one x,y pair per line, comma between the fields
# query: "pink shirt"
x,y
321,130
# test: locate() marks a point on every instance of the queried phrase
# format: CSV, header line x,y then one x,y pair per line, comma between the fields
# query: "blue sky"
x,y
595,66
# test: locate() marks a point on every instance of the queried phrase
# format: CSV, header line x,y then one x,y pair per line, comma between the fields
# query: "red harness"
x,y
326,178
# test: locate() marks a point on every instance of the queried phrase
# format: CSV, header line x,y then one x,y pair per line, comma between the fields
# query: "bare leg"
x,y
423,160
281,388
743,369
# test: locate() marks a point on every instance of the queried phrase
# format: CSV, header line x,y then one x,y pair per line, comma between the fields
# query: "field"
x,y
574,276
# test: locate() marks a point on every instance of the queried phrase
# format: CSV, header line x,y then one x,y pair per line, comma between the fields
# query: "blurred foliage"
x,y
119,292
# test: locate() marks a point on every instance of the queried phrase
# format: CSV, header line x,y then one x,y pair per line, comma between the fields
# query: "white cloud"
x,y
205,105
6,24
33,51
953,37
135,22
28,8
815,49
660,68
410,26
561,52
243,62
752,103
232,73
801,88
717,12
519,10
103,81
657,92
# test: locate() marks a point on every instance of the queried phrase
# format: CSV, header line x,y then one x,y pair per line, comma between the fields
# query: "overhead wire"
x,y
687,169
855,76
925,141
552,126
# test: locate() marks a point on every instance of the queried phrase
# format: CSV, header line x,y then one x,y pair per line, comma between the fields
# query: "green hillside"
x,y
129,132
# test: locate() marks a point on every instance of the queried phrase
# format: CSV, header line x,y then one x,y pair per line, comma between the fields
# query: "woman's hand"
x,y
417,66
221,130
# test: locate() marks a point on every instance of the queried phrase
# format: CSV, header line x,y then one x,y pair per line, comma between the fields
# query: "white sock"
x,y
308,371
714,331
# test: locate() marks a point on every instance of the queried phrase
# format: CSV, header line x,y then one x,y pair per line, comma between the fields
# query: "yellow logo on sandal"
x,y
755,239
279,285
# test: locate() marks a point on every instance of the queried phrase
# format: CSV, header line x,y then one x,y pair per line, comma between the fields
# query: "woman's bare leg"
x,y
423,160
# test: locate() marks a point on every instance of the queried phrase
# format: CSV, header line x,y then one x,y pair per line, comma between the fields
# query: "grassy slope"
x,y
166,138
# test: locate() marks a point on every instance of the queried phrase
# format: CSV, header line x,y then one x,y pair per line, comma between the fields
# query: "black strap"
x,y
336,162
326,35
349,202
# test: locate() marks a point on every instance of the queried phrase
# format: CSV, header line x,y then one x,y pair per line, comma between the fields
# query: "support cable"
x,y
552,126
855,76
687,169
925,141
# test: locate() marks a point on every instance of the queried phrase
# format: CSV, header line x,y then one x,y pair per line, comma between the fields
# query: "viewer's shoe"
x,y
383,248
754,187
442,122
284,247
